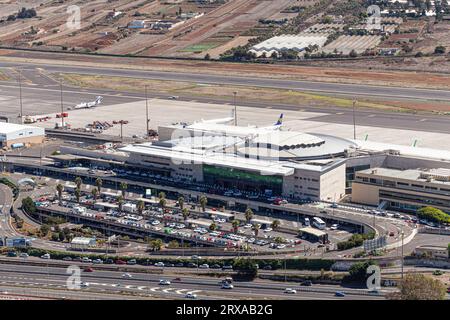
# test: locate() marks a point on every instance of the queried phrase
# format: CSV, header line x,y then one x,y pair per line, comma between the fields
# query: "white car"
x,y
84,284
290,291
164,282
267,229
248,226
190,295
281,246
334,226
45,256
159,264
227,285
127,275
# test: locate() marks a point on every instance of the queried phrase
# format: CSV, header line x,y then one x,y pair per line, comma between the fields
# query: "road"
x,y
147,285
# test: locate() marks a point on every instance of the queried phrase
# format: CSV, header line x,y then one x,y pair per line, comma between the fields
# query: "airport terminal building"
x,y
289,164
11,134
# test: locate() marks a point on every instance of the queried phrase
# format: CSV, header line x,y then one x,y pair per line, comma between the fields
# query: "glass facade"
x,y
229,177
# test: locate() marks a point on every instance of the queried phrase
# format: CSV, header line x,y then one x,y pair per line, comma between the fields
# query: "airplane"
x,y
236,130
220,121
88,105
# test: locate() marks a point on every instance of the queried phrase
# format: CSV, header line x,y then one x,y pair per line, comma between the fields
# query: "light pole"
x,y
354,119
235,108
146,112
62,105
20,96
403,235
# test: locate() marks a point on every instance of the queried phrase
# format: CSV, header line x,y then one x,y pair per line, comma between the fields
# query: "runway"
x,y
322,87
43,96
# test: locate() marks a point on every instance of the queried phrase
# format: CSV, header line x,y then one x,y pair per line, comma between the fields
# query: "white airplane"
x,y
235,130
220,121
87,105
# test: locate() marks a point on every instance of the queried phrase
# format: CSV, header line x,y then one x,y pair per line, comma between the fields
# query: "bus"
x,y
319,223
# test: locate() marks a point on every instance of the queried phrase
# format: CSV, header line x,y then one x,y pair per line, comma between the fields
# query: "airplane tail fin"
x,y
280,120
99,100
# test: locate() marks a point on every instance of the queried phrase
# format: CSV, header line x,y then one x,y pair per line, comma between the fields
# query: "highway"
x,y
140,285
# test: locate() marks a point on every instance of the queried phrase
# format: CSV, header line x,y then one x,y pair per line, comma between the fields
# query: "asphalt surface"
x,y
112,282
335,88
42,95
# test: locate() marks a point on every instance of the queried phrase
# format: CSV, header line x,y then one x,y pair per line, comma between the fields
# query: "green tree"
x,y
358,272
78,182
203,202
439,50
140,207
275,224
156,244
256,228
173,244
353,54
55,236
94,193
245,267
433,214
99,184
29,206
248,215
235,224
213,226
61,236
417,286
44,230
78,194
181,202
120,202
185,212
162,199
123,188
278,240
59,190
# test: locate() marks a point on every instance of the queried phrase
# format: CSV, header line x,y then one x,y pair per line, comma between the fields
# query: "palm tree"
x,y
120,202
95,193
181,202
235,224
185,212
123,187
203,202
213,226
59,189
140,206
256,228
78,182
248,215
99,184
275,224
78,194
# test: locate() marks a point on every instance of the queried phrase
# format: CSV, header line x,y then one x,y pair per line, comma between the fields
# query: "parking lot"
x,y
170,222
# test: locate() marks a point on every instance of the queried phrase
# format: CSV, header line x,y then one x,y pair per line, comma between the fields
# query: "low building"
x,y
434,252
82,243
405,190
19,135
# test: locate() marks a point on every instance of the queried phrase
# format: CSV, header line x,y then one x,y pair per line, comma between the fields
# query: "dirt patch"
x,y
253,94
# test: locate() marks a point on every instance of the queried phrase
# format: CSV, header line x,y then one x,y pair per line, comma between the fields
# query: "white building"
x,y
11,134
81,243
282,43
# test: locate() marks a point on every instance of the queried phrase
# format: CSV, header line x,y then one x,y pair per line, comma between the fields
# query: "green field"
x,y
200,47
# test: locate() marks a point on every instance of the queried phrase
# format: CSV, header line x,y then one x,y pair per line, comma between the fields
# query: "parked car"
x,y
88,269
131,262
120,262
45,256
339,294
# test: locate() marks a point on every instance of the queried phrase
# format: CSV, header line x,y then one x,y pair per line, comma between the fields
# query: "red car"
x,y
120,262
88,269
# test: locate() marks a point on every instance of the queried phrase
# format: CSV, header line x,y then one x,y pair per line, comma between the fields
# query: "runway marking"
x,y
155,289
181,291
268,107
167,290
194,291
340,113
371,116
423,120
